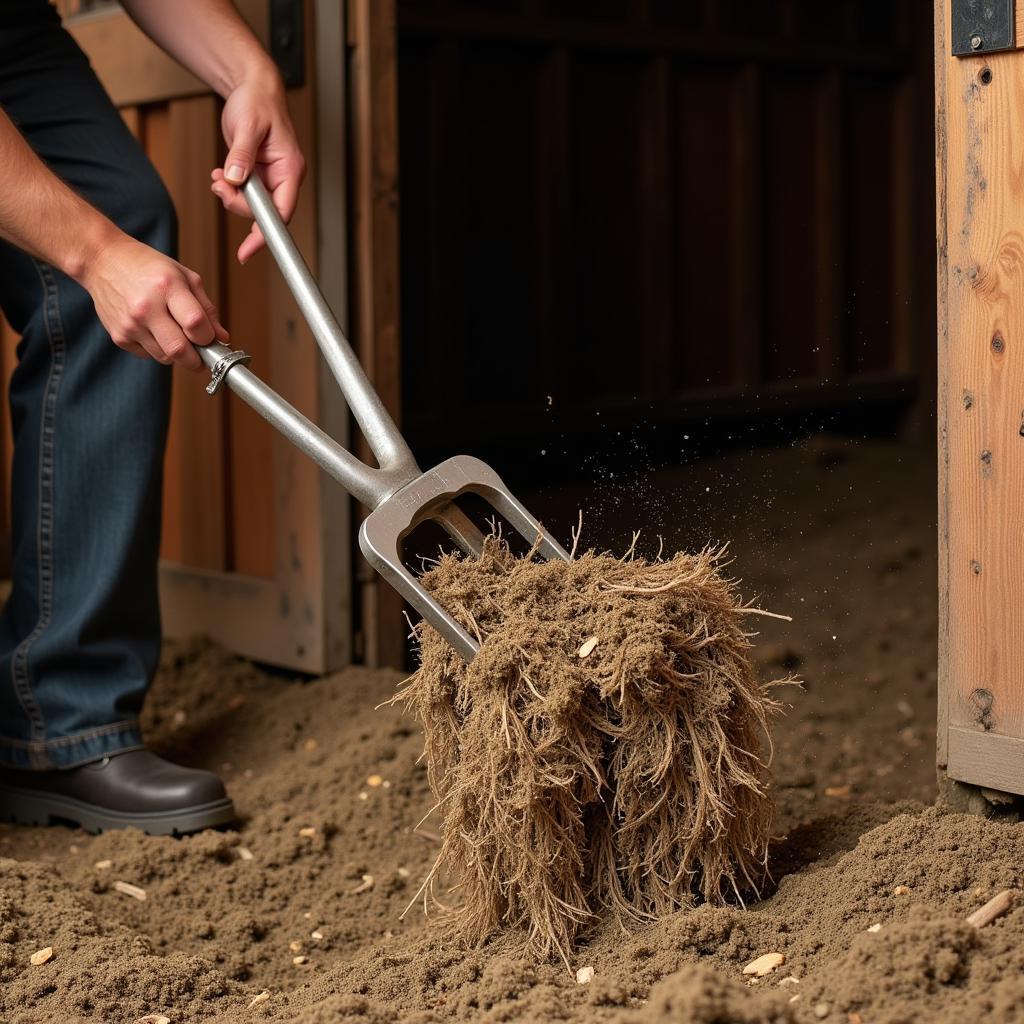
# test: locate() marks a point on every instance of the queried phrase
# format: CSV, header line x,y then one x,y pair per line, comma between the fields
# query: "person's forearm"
x,y
208,36
40,214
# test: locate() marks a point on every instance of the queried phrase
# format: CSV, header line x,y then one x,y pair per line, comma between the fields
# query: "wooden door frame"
x,y
980,267
303,616
373,111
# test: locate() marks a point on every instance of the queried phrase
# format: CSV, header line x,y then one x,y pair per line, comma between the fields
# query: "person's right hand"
x,y
150,304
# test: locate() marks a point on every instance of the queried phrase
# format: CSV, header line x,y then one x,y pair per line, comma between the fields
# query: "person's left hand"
x,y
260,140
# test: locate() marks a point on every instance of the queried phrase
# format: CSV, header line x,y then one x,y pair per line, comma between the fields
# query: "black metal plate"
x,y
981,26
287,40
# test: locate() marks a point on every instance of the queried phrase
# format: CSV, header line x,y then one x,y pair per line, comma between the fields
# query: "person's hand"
x,y
260,138
150,304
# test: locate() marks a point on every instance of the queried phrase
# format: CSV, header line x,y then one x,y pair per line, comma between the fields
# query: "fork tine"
x,y
431,496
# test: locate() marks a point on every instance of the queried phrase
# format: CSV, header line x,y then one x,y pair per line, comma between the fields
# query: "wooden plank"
x,y
903,233
703,208
132,117
184,144
132,68
330,177
251,541
374,145
746,237
986,759
298,612
656,250
243,613
828,237
472,22
554,235
791,271
942,384
295,368
156,138
982,374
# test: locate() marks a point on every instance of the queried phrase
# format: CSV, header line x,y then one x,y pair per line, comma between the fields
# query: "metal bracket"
x,y
982,26
287,41
221,367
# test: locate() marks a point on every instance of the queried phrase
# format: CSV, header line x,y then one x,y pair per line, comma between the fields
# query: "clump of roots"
x,y
628,780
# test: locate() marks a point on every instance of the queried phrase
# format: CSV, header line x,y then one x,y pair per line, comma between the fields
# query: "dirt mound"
x,y
602,752
703,996
217,926
98,970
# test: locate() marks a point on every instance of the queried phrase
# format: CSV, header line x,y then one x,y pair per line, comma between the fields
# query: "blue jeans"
x,y
80,634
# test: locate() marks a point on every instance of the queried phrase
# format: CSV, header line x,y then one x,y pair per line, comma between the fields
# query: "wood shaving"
x,y
135,891
764,964
996,907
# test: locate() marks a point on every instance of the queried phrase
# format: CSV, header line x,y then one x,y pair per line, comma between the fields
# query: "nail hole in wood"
x,y
985,75
982,701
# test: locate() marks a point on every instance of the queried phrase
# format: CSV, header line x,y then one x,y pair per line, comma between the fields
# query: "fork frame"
x,y
399,494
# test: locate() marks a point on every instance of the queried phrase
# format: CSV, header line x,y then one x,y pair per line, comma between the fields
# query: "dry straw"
x,y
630,780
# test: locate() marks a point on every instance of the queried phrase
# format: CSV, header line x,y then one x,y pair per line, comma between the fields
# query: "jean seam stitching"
x,y
66,741
20,669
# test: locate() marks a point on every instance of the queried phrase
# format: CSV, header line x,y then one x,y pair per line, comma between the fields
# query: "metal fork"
x,y
399,494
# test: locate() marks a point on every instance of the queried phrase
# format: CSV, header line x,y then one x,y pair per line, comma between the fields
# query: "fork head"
x,y
432,496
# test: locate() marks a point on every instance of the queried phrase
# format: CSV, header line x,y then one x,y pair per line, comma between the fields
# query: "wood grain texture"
x,y
986,759
942,383
256,550
180,139
374,163
132,68
759,165
981,399
250,441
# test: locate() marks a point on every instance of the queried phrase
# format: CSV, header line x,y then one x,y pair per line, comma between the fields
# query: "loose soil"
x,y
332,790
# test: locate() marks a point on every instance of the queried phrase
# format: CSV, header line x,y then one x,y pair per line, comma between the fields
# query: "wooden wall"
x,y
980,210
651,208
256,541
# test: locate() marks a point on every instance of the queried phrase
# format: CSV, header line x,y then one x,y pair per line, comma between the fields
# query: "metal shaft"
x,y
370,486
377,426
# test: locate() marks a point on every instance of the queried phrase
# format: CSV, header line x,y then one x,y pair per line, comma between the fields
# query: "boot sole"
x,y
28,807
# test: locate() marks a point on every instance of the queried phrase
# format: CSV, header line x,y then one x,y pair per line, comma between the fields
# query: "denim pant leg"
x,y
80,634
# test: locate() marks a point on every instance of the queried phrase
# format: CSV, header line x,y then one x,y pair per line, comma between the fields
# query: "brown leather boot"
x,y
135,789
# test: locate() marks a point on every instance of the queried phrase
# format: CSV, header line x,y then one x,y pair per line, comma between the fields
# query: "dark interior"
x,y
641,215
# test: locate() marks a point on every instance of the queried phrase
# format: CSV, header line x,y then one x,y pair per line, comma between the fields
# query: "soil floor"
x,y
298,915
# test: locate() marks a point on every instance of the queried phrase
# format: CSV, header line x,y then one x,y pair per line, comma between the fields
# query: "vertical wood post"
x,y
374,144
980,232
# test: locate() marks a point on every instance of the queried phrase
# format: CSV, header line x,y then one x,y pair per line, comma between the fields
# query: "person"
x,y
89,280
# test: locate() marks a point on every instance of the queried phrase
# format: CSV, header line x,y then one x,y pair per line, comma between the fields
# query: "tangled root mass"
x,y
630,780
